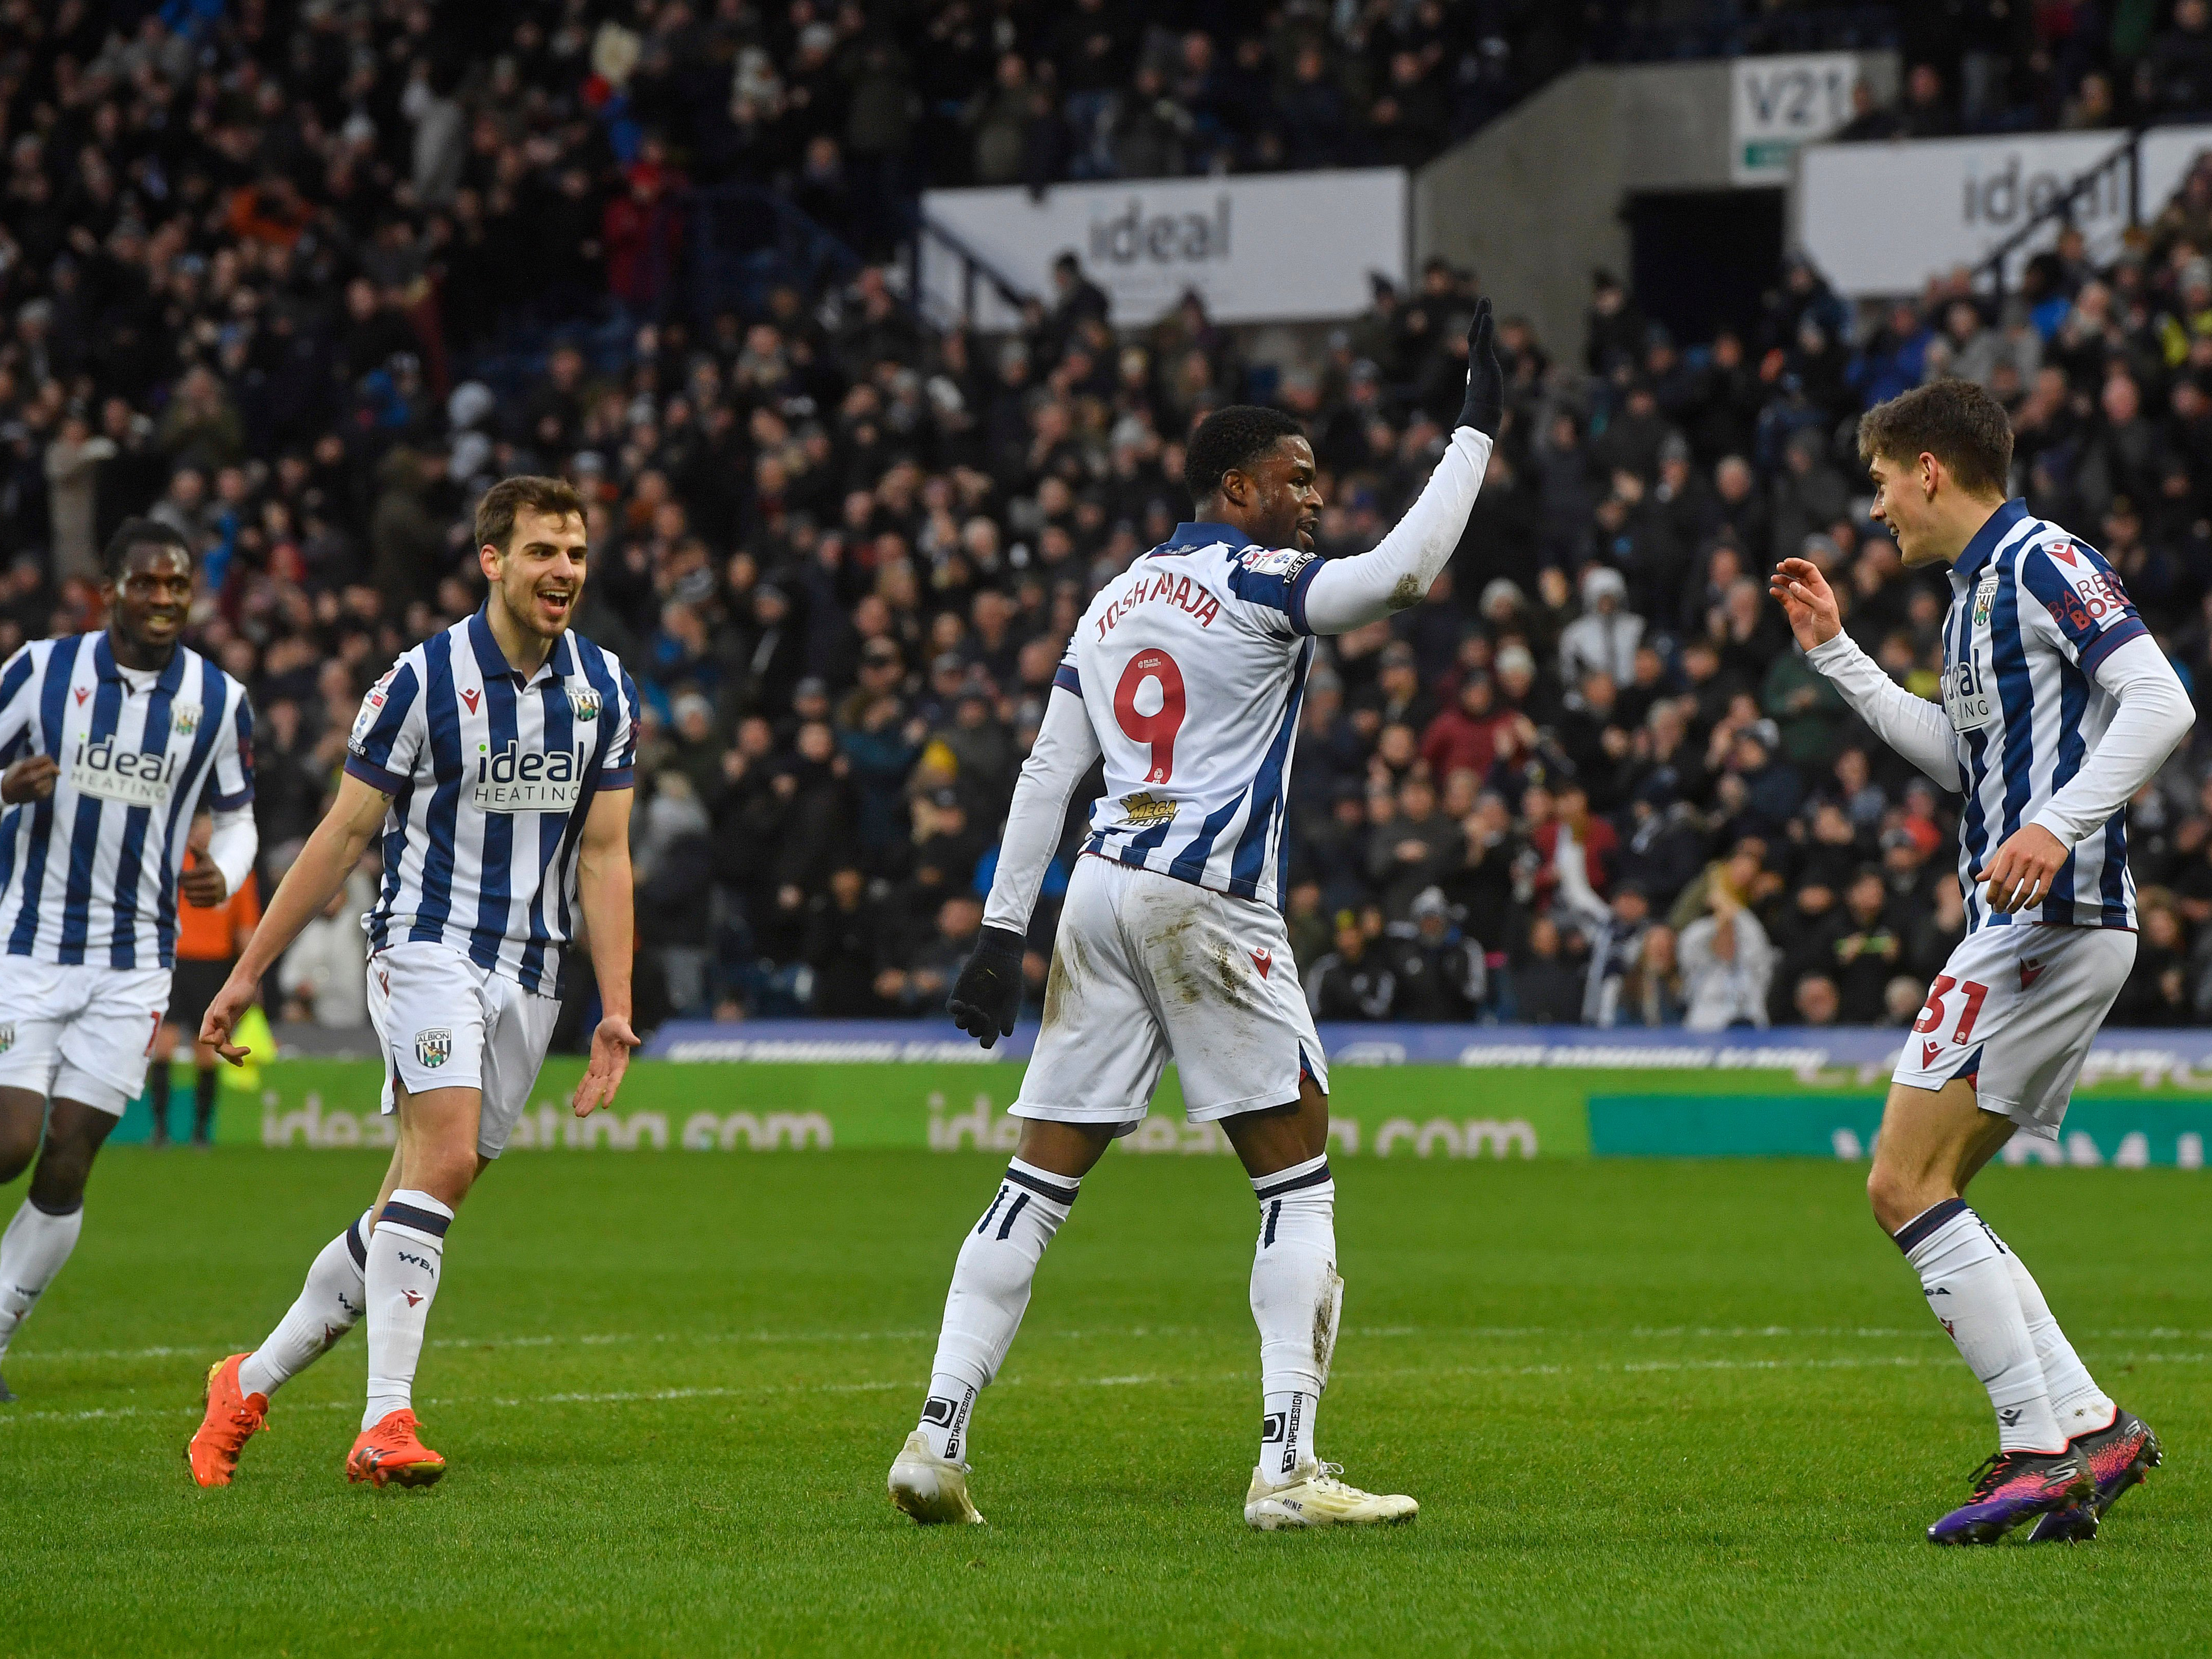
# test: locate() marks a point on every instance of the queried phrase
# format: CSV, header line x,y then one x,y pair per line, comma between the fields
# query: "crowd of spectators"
x,y
1999,66
248,250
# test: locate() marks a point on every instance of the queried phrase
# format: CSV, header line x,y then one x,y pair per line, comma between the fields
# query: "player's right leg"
x,y
79,1035
1932,1143
22,1116
235,1405
437,1163
1250,1061
433,1016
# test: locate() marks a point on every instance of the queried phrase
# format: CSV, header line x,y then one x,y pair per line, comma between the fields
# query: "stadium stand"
x,y
303,277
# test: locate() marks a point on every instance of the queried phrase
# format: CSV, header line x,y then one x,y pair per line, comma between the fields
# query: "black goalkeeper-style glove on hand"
x,y
989,992
1484,408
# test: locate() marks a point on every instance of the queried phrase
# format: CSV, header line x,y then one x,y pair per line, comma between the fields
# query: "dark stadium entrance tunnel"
x,y
1700,260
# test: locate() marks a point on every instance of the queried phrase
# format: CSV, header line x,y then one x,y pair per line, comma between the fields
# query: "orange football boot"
x,y
393,1450
234,1417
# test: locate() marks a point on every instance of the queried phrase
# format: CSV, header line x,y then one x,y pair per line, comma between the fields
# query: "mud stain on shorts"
x,y
1065,978
1171,949
1232,981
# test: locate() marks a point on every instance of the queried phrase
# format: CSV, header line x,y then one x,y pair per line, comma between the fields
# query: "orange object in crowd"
x,y
220,933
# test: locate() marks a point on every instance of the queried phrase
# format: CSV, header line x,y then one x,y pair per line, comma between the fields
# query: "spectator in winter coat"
x,y
1729,961
1355,981
1443,975
1548,987
1604,638
1463,737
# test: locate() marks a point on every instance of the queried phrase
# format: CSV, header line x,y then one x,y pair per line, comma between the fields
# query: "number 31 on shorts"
x,y
1931,1016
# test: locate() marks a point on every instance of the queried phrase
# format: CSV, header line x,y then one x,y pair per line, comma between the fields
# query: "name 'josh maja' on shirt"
x,y
1180,592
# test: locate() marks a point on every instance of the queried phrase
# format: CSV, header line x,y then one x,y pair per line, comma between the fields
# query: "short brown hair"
x,y
495,512
1955,421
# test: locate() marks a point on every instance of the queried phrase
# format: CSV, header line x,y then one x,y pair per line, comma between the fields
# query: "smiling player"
x,y
1186,675
496,757
108,739
2058,706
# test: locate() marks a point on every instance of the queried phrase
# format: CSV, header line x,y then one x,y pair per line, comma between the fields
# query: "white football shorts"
x,y
73,1031
2015,1009
1146,968
445,1023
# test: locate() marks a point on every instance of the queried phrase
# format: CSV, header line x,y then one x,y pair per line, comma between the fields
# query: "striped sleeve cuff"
x,y
2128,628
373,775
245,797
1299,584
1066,679
622,777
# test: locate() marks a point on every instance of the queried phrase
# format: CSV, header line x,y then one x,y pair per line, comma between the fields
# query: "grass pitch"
x,y
1647,1407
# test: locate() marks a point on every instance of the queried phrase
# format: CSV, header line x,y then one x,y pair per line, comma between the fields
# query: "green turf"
x,y
1647,1408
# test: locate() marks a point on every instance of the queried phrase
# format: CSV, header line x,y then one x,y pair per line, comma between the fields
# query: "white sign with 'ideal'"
x,y
1255,248
1883,218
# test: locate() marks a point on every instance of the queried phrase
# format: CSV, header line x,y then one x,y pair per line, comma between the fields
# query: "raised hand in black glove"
x,y
1484,408
989,992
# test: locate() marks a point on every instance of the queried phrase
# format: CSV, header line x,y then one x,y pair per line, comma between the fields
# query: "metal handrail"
x,y
2129,150
973,266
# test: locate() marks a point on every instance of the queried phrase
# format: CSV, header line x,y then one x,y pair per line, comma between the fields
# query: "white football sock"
x,y
944,1414
404,1253
2081,1407
1296,1299
990,1289
1970,1290
31,1252
328,1305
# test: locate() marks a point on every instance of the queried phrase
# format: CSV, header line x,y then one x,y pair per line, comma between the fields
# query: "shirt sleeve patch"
x,y
2084,598
371,705
1273,577
1275,560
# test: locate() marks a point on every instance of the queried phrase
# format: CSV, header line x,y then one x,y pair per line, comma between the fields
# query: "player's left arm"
x,y
2081,610
1337,595
234,841
603,889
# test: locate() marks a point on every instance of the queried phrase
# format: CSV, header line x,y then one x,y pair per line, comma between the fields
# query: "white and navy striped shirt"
x,y
2033,611
491,776
1191,664
89,874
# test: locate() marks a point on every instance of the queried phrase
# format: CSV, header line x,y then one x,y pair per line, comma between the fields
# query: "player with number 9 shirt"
x,y
1185,677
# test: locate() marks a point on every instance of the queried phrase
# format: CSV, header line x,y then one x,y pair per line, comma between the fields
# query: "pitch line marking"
x,y
637,1396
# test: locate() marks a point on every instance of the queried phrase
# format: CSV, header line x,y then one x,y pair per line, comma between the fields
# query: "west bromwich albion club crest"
x,y
7,1037
1985,599
434,1048
584,703
183,719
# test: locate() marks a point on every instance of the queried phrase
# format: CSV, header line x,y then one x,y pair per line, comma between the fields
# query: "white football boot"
x,y
930,1488
1315,1496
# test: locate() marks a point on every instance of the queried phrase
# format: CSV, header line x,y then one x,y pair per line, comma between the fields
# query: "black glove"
x,y
1484,408
989,992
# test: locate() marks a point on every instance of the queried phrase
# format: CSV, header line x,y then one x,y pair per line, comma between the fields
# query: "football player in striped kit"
x,y
1185,677
496,757
2058,706
108,741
